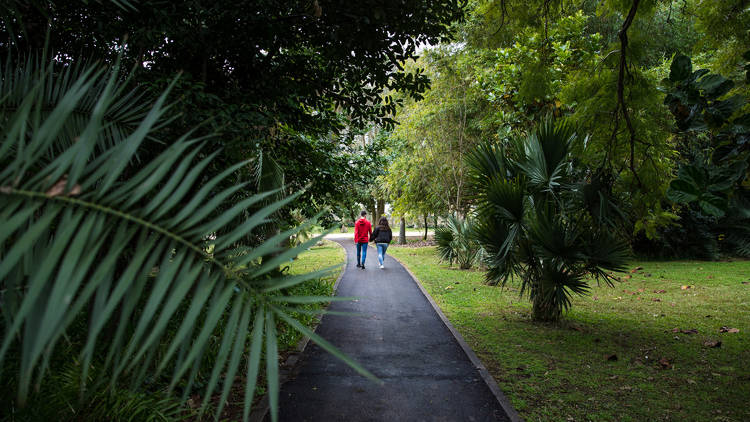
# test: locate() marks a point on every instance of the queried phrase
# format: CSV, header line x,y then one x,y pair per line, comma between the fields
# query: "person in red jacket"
x,y
362,232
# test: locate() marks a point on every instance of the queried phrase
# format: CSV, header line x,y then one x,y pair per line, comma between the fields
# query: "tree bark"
x,y
425,227
402,232
371,209
380,209
623,35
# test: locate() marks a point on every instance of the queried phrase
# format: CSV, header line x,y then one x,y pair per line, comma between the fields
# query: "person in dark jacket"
x,y
382,237
362,235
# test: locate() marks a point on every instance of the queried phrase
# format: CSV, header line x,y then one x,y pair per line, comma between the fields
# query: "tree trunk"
x,y
380,210
371,209
425,228
542,310
402,232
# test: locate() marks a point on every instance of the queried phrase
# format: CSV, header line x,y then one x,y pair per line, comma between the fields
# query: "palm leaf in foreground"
x,y
89,238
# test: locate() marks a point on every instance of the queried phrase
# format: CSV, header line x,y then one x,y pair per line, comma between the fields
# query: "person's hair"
x,y
363,213
383,223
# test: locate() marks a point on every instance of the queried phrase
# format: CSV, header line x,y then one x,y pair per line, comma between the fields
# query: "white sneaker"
x,y
381,266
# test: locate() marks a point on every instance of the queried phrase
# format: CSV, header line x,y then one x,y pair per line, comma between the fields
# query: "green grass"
x,y
559,372
318,258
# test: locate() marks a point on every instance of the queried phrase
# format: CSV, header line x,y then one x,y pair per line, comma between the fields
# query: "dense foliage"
x,y
605,65
294,81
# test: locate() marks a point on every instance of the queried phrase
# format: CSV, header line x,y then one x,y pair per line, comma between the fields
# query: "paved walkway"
x,y
401,339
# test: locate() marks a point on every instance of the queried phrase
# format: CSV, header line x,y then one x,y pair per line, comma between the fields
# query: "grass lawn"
x,y
616,356
318,258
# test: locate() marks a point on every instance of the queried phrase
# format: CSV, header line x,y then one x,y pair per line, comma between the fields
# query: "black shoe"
x,y
363,267
359,265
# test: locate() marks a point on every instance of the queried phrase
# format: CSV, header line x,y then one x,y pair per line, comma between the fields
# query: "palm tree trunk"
x,y
542,311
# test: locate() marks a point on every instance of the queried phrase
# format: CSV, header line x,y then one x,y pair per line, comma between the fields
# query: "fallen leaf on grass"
x,y
627,277
595,297
664,363
641,290
729,330
686,287
660,291
449,288
691,382
636,269
656,299
746,282
690,331
711,343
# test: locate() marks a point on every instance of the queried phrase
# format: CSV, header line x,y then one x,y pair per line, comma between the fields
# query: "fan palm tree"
x,y
105,254
456,242
533,223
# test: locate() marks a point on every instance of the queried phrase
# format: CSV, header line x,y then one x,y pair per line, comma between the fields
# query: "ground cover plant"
x,y
652,348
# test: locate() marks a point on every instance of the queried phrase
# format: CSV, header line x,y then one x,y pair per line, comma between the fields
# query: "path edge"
x,y
263,406
483,372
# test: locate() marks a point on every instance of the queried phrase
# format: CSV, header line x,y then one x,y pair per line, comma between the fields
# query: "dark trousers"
x,y
361,250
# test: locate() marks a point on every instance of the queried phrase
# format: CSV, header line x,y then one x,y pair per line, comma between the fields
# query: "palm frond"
x,y
114,257
484,163
108,98
545,156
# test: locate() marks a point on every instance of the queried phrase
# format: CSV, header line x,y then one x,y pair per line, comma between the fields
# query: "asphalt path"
x,y
399,337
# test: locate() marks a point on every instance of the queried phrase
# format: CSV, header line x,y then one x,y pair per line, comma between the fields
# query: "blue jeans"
x,y
382,247
361,250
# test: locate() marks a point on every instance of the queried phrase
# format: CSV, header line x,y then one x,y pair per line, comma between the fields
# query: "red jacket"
x,y
362,230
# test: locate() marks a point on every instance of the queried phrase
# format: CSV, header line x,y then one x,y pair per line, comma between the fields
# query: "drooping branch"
x,y
623,35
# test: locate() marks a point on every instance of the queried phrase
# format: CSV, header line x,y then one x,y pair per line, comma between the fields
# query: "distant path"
x,y
335,236
402,340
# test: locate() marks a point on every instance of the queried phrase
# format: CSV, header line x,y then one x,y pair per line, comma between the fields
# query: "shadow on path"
x,y
401,339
